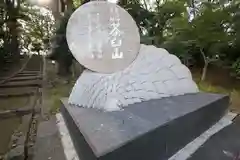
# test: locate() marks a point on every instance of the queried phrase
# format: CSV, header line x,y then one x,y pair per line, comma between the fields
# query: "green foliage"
x,y
181,49
206,31
37,29
197,32
236,68
152,23
10,13
76,3
24,29
209,34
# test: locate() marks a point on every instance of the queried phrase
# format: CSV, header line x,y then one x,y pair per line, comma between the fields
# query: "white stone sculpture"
x,y
154,74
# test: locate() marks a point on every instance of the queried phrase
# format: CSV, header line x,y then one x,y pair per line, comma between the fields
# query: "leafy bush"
x,y
236,68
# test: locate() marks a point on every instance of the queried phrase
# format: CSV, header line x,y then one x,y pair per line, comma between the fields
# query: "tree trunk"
x,y
64,69
145,4
204,72
193,7
206,62
14,45
62,4
12,24
70,4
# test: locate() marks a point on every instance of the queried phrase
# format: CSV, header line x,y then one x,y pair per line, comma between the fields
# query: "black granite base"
x,y
151,130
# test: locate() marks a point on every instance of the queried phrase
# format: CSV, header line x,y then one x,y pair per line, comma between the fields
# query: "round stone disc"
x,y
103,37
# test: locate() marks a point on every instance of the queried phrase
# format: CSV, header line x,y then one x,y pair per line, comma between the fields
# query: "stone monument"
x,y
134,101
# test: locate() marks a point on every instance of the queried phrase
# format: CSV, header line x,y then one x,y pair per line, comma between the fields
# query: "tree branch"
x,y
145,4
204,56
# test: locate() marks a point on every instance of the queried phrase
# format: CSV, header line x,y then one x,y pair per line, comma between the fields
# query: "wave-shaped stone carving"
x,y
153,75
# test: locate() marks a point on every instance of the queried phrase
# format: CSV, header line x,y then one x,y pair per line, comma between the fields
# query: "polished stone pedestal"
x,y
151,130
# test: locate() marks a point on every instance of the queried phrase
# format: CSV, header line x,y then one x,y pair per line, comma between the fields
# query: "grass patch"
x,y
208,87
57,92
56,88
233,92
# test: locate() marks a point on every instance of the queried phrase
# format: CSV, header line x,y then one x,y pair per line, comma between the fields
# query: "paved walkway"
x,y
227,140
48,145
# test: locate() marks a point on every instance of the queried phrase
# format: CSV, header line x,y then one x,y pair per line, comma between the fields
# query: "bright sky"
x,y
40,2
44,2
113,1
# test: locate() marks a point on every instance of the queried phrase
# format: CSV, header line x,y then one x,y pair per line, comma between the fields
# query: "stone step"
x,y
13,95
28,73
153,130
17,90
24,78
21,75
18,112
34,83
